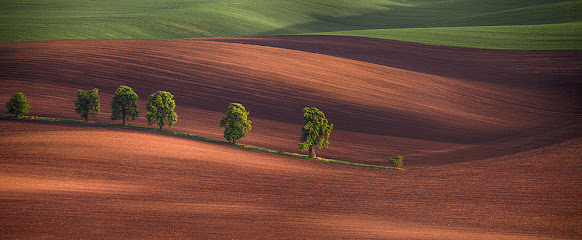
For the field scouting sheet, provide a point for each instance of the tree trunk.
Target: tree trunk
(123, 114)
(86, 118)
(160, 128)
(312, 152)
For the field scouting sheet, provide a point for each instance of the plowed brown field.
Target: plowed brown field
(492, 141)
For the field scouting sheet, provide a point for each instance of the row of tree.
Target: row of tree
(160, 106)
(160, 111)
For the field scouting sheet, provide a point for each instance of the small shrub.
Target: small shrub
(397, 161)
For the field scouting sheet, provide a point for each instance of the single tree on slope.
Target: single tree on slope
(17, 104)
(87, 103)
(124, 104)
(316, 131)
(235, 122)
(161, 109)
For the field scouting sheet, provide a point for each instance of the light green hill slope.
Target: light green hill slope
(26, 20)
(565, 36)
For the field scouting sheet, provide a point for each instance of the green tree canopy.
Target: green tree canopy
(235, 122)
(161, 109)
(17, 104)
(87, 103)
(124, 104)
(316, 131)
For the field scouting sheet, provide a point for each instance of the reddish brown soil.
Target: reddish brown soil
(95, 182)
(494, 156)
(531, 68)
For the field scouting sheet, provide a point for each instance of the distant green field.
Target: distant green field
(453, 22)
(565, 36)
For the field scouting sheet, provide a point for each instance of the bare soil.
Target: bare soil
(74, 181)
(492, 141)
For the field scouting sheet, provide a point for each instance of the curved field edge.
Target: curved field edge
(191, 136)
(564, 36)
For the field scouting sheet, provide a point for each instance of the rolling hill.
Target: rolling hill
(491, 134)
(491, 140)
(518, 25)
(377, 109)
(79, 181)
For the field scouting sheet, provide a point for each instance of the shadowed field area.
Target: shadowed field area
(491, 140)
(85, 181)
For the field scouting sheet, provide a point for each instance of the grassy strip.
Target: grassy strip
(60, 120)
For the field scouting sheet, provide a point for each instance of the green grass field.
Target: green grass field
(565, 36)
(522, 24)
